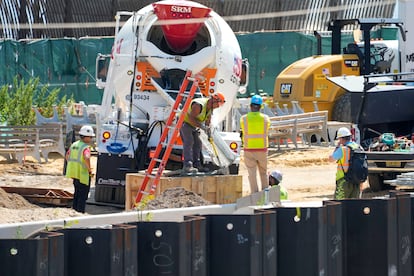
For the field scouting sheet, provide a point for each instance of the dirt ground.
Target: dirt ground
(307, 175)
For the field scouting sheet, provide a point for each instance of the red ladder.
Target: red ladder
(176, 133)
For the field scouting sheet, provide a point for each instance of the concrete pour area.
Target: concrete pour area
(349, 237)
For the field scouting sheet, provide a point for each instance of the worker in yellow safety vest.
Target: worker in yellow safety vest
(254, 132)
(78, 168)
(341, 155)
(275, 178)
(197, 117)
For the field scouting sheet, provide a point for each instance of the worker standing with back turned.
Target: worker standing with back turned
(254, 132)
(79, 167)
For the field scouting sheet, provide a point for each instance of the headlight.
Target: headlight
(106, 135)
(233, 146)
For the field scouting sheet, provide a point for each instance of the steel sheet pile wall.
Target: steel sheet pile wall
(242, 244)
(404, 233)
(310, 240)
(172, 248)
(38, 255)
(350, 237)
(373, 232)
(101, 251)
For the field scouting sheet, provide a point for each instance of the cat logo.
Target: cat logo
(285, 89)
(351, 63)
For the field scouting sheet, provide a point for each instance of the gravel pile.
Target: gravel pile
(14, 201)
(176, 197)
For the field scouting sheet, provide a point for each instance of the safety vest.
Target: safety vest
(343, 163)
(76, 167)
(283, 192)
(255, 128)
(203, 114)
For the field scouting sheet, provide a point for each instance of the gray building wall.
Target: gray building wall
(21, 19)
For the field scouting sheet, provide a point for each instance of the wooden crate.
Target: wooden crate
(218, 189)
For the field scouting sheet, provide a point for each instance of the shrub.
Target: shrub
(17, 102)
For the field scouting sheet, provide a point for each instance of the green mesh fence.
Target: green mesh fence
(65, 63)
(70, 63)
(270, 52)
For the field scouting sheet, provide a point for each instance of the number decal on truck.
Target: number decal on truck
(140, 97)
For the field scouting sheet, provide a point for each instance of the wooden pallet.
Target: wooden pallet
(55, 197)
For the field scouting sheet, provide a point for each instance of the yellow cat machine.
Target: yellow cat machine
(306, 80)
(367, 90)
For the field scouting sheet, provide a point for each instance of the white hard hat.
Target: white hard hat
(343, 132)
(277, 175)
(86, 131)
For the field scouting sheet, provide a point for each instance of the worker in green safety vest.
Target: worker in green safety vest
(78, 168)
(275, 177)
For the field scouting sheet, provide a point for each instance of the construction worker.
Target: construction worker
(197, 117)
(79, 168)
(275, 178)
(341, 155)
(254, 132)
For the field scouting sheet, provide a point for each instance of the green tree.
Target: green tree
(4, 107)
(17, 102)
(45, 101)
(20, 102)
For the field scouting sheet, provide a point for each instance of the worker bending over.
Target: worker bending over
(197, 117)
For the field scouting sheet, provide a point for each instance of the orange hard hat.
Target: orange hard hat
(219, 97)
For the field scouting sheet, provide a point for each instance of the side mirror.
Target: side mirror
(244, 78)
(102, 65)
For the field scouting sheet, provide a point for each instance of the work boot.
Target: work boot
(200, 167)
(203, 169)
(188, 168)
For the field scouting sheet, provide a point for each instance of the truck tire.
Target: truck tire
(234, 169)
(376, 182)
(342, 108)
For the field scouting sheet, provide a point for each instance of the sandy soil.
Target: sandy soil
(307, 175)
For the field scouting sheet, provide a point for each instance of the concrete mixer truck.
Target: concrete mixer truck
(151, 54)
